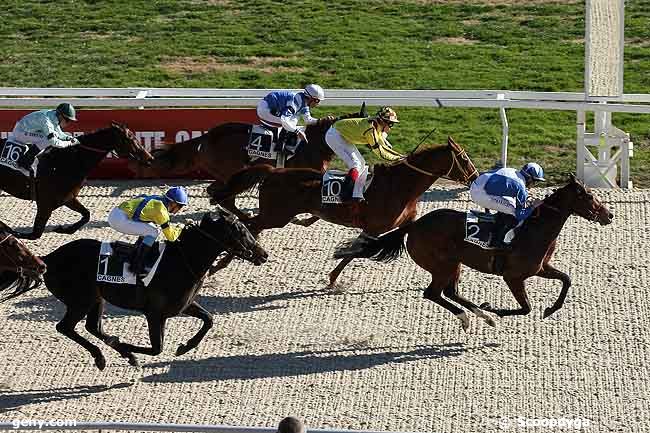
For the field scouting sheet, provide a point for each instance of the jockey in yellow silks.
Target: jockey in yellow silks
(142, 216)
(372, 131)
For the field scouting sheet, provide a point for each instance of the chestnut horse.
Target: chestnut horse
(436, 243)
(20, 269)
(62, 173)
(221, 152)
(391, 198)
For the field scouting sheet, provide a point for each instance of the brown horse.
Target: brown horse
(62, 172)
(19, 268)
(221, 152)
(436, 243)
(391, 198)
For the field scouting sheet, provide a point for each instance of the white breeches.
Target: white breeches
(120, 221)
(265, 116)
(494, 202)
(350, 156)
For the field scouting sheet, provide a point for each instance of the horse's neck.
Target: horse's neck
(89, 154)
(198, 251)
(412, 183)
(548, 225)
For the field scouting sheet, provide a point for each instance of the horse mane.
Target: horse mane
(382, 167)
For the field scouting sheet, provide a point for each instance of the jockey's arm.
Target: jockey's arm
(158, 214)
(289, 119)
(522, 212)
(378, 145)
(307, 117)
(57, 138)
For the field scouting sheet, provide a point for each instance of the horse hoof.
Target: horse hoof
(112, 341)
(464, 320)
(486, 306)
(490, 321)
(133, 360)
(182, 350)
(100, 362)
(548, 311)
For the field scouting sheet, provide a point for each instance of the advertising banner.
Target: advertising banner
(155, 128)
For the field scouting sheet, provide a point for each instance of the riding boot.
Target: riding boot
(32, 184)
(138, 261)
(504, 223)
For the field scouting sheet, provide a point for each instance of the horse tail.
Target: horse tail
(240, 182)
(384, 248)
(20, 284)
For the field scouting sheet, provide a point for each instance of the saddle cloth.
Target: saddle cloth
(480, 229)
(18, 157)
(113, 263)
(263, 143)
(337, 187)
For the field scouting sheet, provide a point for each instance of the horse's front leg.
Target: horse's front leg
(550, 272)
(518, 289)
(42, 216)
(76, 206)
(195, 310)
(156, 324)
(306, 222)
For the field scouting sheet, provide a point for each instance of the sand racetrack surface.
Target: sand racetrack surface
(370, 354)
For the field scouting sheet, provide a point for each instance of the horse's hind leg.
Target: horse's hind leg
(76, 206)
(66, 327)
(433, 293)
(195, 310)
(156, 324)
(550, 272)
(451, 292)
(94, 326)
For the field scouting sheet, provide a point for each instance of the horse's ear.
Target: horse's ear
(363, 112)
(451, 142)
(572, 178)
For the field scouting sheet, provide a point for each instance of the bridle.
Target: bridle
(591, 216)
(455, 154)
(19, 269)
(215, 240)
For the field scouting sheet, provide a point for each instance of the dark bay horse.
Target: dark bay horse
(436, 243)
(391, 198)
(20, 269)
(221, 152)
(62, 172)
(73, 272)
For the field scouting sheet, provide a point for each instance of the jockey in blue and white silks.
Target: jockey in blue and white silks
(284, 108)
(505, 190)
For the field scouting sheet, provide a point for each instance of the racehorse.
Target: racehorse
(20, 269)
(221, 152)
(62, 172)
(436, 243)
(391, 198)
(72, 279)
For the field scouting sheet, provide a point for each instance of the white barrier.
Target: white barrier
(606, 137)
(124, 426)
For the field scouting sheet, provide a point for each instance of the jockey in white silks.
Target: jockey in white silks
(505, 190)
(43, 128)
(283, 109)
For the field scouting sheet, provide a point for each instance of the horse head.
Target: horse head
(127, 145)
(579, 200)
(459, 167)
(16, 257)
(225, 228)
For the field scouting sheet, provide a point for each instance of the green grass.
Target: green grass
(418, 44)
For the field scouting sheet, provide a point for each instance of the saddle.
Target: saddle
(337, 186)
(272, 143)
(113, 265)
(487, 230)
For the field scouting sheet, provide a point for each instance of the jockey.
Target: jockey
(43, 129)
(372, 131)
(138, 216)
(505, 190)
(284, 108)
